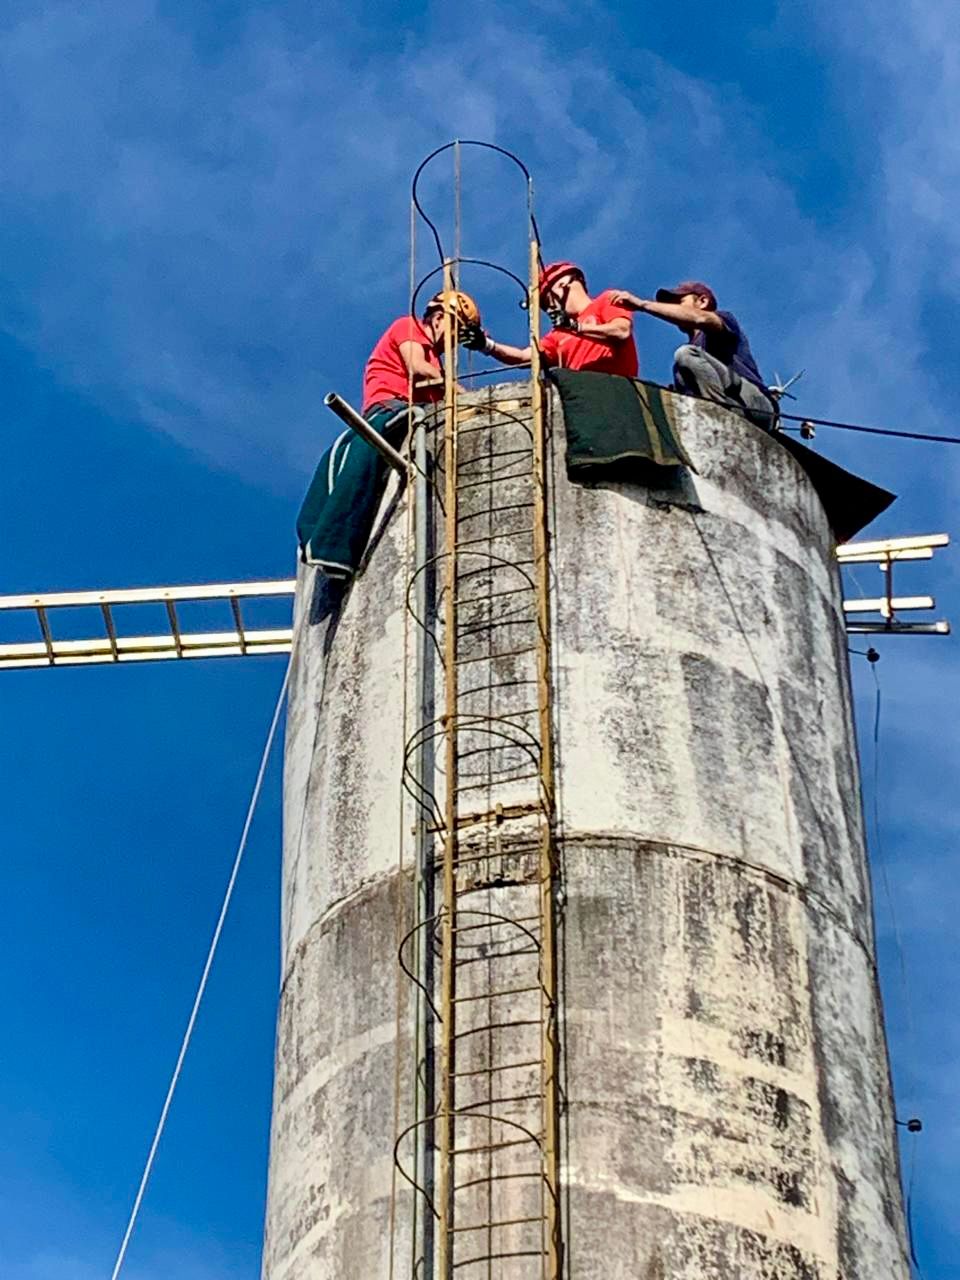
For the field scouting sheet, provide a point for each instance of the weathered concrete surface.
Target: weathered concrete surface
(729, 1110)
(344, 907)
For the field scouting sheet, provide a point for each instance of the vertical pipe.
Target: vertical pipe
(547, 870)
(449, 923)
(457, 217)
(424, 604)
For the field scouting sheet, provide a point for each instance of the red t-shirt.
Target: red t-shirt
(570, 350)
(386, 376)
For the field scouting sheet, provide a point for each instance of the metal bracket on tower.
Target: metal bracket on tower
(885, 554)
(111, 646)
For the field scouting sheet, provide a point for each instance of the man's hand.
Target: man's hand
(621, 298)
(560, 320)
(474, 339)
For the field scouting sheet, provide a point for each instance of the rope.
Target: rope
(201, 988)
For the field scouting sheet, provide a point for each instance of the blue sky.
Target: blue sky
(203, 227)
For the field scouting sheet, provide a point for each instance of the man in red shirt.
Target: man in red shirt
(410, 350)
(588, 333)
(337, 515)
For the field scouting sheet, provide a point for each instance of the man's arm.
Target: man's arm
(424, 373)
(673, 312)
(616, 330)
(506, 354)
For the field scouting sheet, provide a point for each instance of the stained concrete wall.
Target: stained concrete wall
(728, 1109)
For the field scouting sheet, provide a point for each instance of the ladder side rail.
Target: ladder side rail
(547, 867)
(448, 924)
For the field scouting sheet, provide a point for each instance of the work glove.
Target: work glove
(560, 320)
(473, 338)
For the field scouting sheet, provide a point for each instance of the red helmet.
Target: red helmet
(550, 274)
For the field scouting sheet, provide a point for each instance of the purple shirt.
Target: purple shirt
(729, 345)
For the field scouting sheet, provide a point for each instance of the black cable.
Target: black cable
(872, 431)
(476, 262)
(466, 142)
(779, 416)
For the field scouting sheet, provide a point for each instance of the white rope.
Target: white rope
(188, 1034)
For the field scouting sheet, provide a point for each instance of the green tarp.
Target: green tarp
(337, 515)
(618, 429)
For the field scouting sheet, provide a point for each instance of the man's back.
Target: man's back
(730, 346)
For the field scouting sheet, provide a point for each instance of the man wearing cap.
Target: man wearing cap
(717, 363)
(588, 333)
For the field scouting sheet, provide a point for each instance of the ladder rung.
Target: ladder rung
(489, 782)
(498, 1026)
(501, 955)
(495, 1146)
(496, 995)
(495, 477)
(511, 420)
(530, 749)
(472, 629)
(494, 537)
(496, 923)
(493, 457)
(493, 685)
(513, 852)
(490, 1103)
(498, 1177)
(495, 595)
(492, 1226)
(493, 657)
(489, 1257)
(503, 813)
(495, 511)
(501, 1066)
(511, 813)
(496, 565)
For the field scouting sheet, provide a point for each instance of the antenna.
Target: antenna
(885, 554)
(780, 390)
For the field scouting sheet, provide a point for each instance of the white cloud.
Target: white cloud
(211, 241)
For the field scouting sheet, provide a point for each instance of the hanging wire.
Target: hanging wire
(881, 861)
(909, 1205)
(872, 657)
(477, 262)
(202, 986)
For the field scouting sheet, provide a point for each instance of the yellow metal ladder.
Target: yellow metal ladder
(496, 1123)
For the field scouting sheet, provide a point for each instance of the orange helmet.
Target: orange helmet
(460, 306)
(555, 271)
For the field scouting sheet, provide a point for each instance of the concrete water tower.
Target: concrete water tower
(579, 974)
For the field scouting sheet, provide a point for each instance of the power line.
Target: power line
(872, 431)
(201, 988)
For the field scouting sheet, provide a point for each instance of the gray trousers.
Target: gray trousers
(697, 373)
